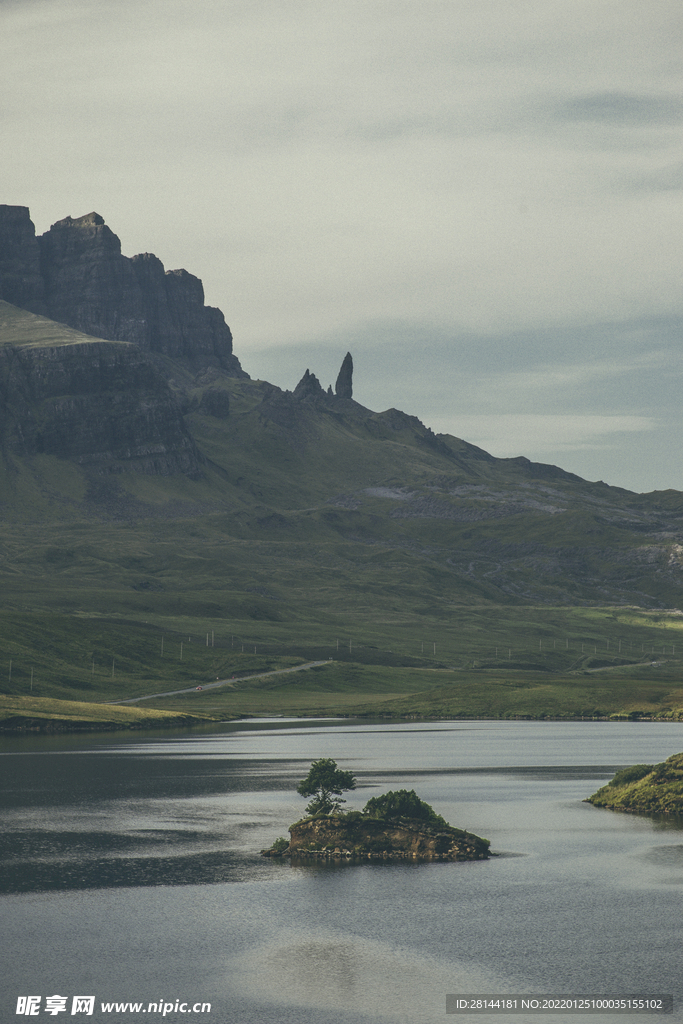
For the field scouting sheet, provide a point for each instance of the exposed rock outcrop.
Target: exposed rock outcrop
(76, 274)
(360, 836)
(99, 403)
(344, 386)
(309, 387)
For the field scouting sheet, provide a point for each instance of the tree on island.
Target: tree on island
(403, 803)
(325, 783)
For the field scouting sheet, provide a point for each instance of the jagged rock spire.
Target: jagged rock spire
(344, 385)
(309, 385)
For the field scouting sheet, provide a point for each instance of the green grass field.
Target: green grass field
(378, 691)
(539, 669)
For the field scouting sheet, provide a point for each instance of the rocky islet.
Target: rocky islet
(360, 837)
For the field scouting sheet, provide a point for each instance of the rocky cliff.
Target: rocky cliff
(100, 403)
(76, 274)
(360, 836)
(21, 281)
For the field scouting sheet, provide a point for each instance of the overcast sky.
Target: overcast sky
(481, 199)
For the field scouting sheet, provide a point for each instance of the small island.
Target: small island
(645, 789)
(395, 826)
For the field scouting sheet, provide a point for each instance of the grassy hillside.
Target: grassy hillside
(646, 788)
(320, 529)
(353, 689)
(19, 327)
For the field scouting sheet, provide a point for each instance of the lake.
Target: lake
(131, 873)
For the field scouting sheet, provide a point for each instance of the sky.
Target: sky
(480, 199)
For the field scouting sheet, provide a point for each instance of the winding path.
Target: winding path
(222, 682)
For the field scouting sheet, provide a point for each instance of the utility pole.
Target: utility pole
(181, 650)
(112, 667)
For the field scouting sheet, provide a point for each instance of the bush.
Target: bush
(280, 844)
(632, 774)
(403, 803)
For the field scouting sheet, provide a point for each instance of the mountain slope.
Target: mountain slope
(317, 476)
(161, 488)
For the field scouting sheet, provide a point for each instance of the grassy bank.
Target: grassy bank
(648, 789)
(42, 714)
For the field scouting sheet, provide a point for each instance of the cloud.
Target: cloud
(493, 180)
(621, 108)
(538, 436)
(661, 179)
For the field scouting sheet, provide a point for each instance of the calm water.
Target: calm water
(130, 871)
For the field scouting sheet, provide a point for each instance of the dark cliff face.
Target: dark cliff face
(75, 274)
(21, 282)
(89, 285)
(101, 404)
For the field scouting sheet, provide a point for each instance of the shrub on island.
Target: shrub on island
(403, 803)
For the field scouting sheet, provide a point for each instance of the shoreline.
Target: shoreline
(36, 724)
